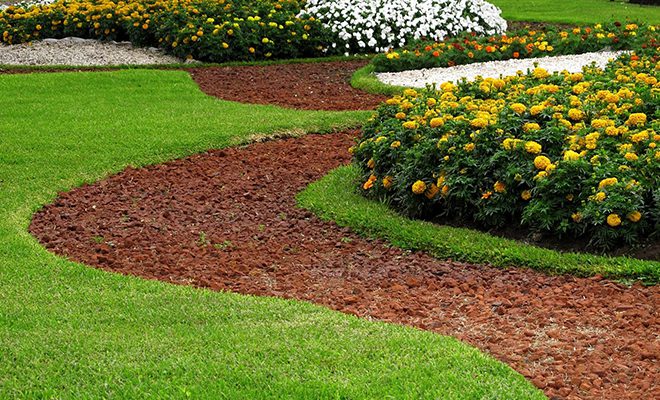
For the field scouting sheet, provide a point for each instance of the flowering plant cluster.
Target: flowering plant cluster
(574, 154)
(469, 48)
(209, 30)
(377, 25)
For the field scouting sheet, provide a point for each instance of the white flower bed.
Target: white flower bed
(378, 25)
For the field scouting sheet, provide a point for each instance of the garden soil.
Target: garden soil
(307, 86)
(228, 220)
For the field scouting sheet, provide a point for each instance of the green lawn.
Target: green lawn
(335, 198)
(70, 331)
(576, 11)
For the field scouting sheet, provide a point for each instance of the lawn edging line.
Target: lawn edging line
(365, 79)
(334, 198)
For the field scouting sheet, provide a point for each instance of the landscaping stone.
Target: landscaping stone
(494, 69)
(81, 52)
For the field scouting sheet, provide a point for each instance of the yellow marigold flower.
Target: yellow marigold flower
(612, 98)
(570, 155)
(371, 163)
(518, 108)
(510, 144)
(469, 147)
(387, 182)
(436, 122)
(639, 137)
(392, 101)
(479, 123)
(526, 195)
(550, 168)
(419, 187)
(607, 182)
(441, 181)
(395, 144)
(576, 77)
(432, 191)
(576, 217)
(499, 187)
(600, 196)
(631, 157)
(430, 102)
(400, 115)
(536, 110)
(540, 73)
(486, 195)
(540, 175)
(600, 123)
(448, 87)
(613, 220)
(611, 131)
(410, 92)
(542, 162)
(410, 124)
(531, 126)
(634, 216)
(533, 147)
(575, 114)
(636, 119)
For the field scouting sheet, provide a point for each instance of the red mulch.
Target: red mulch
(227, 220)
(307, 86)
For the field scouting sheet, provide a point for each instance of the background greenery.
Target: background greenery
(576, 11)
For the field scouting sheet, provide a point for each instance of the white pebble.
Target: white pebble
(494, 69)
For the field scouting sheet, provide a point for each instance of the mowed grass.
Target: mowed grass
(335, 198)
(576, 11)
(71, 331)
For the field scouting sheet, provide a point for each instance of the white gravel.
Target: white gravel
(81, 52)
(494, 69)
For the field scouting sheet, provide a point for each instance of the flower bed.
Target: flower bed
(469, 48)
(209, 30)
(224, 30)
(377, 25)
(564, 154)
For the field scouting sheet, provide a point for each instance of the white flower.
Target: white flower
(387, 23)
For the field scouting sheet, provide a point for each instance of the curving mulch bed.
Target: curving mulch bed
(227, 220)
(306, 86)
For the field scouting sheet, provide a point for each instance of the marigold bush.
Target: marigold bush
(570, 154)
(208, 30)
(525, 43)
